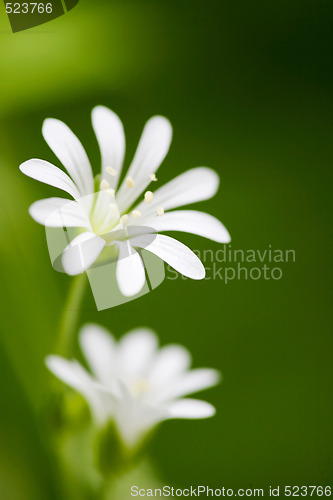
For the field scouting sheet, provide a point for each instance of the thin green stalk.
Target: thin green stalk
(119, 487)
(55, 415)
(70, 316)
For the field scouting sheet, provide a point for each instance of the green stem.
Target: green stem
(71, 314)
(56, 417)
(119, 487)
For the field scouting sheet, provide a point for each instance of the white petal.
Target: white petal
(67, 147)
(170, 360)
(190, 408)
(111, 139)
(74, 375)
(153, 147)
(102, 216)
(130, 272)
(194, 185)
(59, 212)
(188, 383)
(44, 171)
(134, 419)
(99, 347)
(174, 253)
(189, 221)
(81, 253)
(136, 350)
(70, 372)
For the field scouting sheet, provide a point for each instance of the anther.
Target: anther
(149, 196)
(136, 214)
(160, 211)
(112, 171)
(124, 218)
(152, 177)
(129, 182)
(105, 185)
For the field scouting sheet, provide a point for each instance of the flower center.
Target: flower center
(139, 387)
(105, 216)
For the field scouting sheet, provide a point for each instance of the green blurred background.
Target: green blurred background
(248, 89)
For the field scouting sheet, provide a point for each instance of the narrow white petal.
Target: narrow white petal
(174, 253)
(136, 350)
(169, 361)
(67, 147)
(47, 173)
(153, 147)
(70, 372)
(81, 253)
(99, 348)
(111, 139)
(102, 216)
(134, 419)
(74, 375)
(130, 270)
(59, 212)
(197, 184)
(190, 408)
(189, 221)
(188, 383)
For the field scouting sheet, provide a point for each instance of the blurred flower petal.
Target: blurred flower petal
(136, 351)
(169, 361)
(190, 408)
(99, 348)
(74, 375)
(188, 383)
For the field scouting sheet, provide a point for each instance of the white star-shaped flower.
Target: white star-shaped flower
(134, 384)
(112, 220)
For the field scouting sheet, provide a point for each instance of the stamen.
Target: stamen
(105, 185)
(111, 191)
(139, 387)
(152, 177)
(112, 171)
(149, 196)
(124, 218)
(136, 214)
(160, 211)
(129, 182)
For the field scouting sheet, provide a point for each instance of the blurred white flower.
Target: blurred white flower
(103, 213)
(134, 384)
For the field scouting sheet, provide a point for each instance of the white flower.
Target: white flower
(135, 384)
(102, 214)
